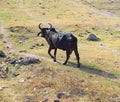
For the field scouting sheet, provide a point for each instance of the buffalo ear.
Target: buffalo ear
(50, 25)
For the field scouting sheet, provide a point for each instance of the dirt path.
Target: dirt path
(6, 40)
(110, 49)
(105, 13)
(22, 7)
(117, 52)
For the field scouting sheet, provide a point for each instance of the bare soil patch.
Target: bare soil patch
(8, 44)
(20, 29)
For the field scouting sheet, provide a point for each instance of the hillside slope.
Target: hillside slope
(98, 79)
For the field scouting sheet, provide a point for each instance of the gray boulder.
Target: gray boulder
(92, 37)
(28, 60)
(23, 60)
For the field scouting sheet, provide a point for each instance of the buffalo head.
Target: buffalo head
(43, 31)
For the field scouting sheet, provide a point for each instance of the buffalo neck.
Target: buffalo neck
(47, 37)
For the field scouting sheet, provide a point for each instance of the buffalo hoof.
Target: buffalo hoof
(54, 60)
(78, 65)
(64, 63)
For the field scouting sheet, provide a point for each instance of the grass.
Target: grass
(95, 82)
(105, 5)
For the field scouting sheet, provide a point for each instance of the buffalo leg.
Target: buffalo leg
(77, 56)
(55, 54)
(49, 50)
(67, 56)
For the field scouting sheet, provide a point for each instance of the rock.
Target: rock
(4, 42)
(22, 61)
(3, 76)
(45, 100)
(15, 74)
(28, 60)
(21, 51)
(27, 100)
(20, 42)
(11, 60)
(4, 70)
(56, 101)
(22, 80)
(62, 95)
(43, 13)
(107, 28)
(92, 37)
(39, 44)
(2, 54)
(1, 88)
(110, 1)
(31, 47)
(101, 44)
(17, 66)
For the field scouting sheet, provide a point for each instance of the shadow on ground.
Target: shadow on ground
(89, 69)
(98, 72)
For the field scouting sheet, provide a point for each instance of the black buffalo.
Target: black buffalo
(58, 40)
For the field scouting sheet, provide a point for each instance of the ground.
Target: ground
(98, 79)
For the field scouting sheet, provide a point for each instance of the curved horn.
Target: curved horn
(50, 25)
(38, 34)
(40, 26)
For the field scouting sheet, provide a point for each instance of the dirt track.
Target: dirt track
(21, 6)
(6, 40)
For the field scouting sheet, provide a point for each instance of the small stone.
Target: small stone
(15, 74)
(46, 100)
(101, 44)
(110, 1)
(1, 88)
(5, 70)
(11, 60)
(34, 89)
(56, 101)
(17, 66)
(3, 76)
(20, 42)
(107, 28)
(31, 47)
(21, 51)
(22, 80)
(2, 54)
(4, 42)
(62, 94)
(27, 100)
(41, 44)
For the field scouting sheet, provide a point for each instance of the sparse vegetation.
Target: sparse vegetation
(98, 79)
